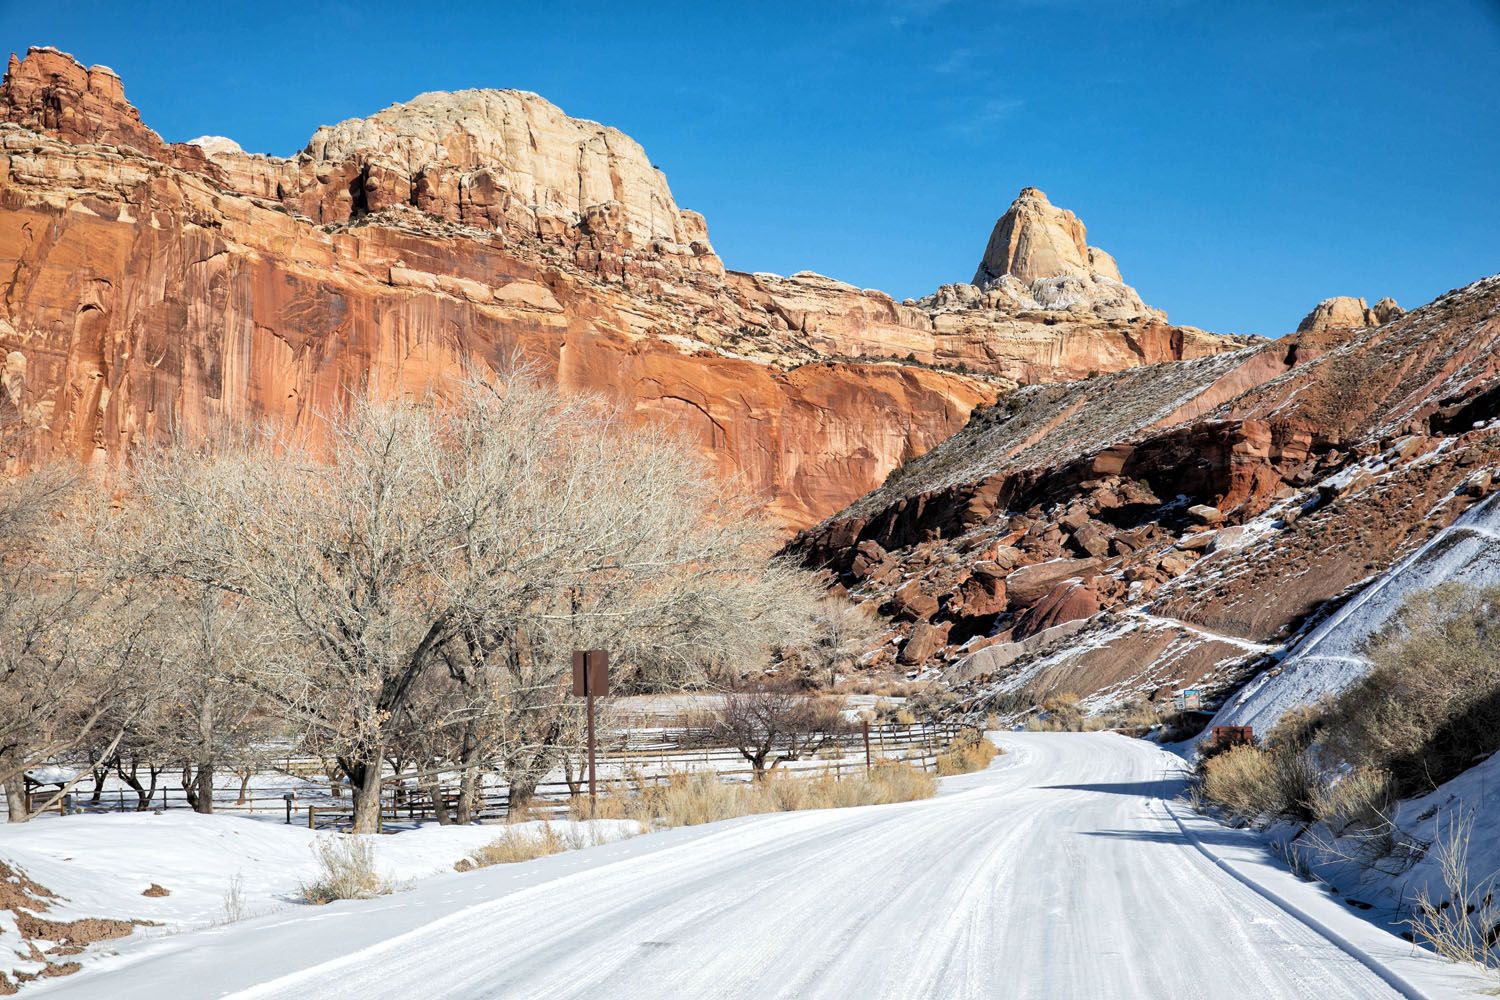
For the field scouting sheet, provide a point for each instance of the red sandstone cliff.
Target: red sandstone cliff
(155, 285)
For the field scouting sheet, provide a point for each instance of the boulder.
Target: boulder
(983, 593)
(923, 643)
(1030, 584)
(1206, 514)
(911, 602)
(1091, 540)
(1065, 602)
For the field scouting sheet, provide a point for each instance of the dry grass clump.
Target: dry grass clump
(1276, 780)
(1061, 713)
(1461, 927)
(1361, 798)
(515, 845)
(347, 871)
(970, 751)
(1430, 708)
(690, 798)
(1135, 718)
(885, 687)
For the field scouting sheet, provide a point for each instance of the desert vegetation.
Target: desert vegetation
(398, 586)
(689, 798)
(970, 751)
(1424, 713)
(346, 870)
(1428, 709)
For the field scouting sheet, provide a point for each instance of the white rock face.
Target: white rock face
(543, 160)
(1345, 312)
(215, 145)
(1038, 257)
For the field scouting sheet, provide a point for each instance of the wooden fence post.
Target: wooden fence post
(312, 811)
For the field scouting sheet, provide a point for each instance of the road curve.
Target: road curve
(1055, 874)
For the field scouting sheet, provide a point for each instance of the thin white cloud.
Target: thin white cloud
(955, 62)
(984, 116)
(903, 12)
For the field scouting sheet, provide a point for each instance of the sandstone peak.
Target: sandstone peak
(531, 158)
(50, 90)
(1034, 239)
(1345, 312)
(1038, 257)
(216, 145)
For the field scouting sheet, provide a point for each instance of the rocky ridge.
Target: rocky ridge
(161, 284)
(1175, 525)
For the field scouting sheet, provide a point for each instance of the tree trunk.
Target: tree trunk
(364, 780)
(200, 788)
(573, 781)
(244, 788)
(143, 793)
(439, 801)
(522, 791)
(468, 794)
(15, 801)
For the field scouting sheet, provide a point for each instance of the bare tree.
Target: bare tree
(68, 656)
(770, 726)
(487, 537)
(838, 632)
(201, 717)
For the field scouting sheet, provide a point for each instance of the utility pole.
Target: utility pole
(590, 678)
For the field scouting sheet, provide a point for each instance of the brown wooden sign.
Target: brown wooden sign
(590, 680)
(590, 672)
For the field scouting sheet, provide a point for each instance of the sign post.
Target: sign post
(590, 678)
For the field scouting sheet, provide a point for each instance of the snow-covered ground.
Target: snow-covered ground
(1062, 871)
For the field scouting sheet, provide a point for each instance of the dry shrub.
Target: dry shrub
(1360, 798)
(234, 899)
(347, 871)
(517, 845)
(1461, 927)
(1061, 713)
(895, 783)
(970, 751)
(1430, 707)
(1255, 783)
(689, 798)
(1134, 718)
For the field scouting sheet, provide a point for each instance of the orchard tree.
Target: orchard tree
(485, 537)
(773, 725)
(72, 638)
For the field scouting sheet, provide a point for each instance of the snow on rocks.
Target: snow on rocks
(1330, 659)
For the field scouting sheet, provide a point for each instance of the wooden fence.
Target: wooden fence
(632, 757)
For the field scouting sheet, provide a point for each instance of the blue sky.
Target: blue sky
(1241, 161)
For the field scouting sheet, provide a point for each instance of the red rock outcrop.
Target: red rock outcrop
(156, 286)
(1191, 518)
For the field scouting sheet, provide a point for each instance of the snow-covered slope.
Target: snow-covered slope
(1330, 659)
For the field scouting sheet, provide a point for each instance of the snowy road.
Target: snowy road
(1058, 873)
